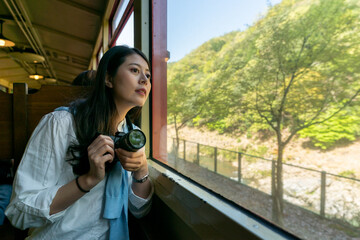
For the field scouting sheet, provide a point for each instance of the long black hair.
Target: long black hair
(97, 113)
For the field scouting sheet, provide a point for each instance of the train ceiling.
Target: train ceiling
(58, 36)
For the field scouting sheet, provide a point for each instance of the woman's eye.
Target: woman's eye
(135, 70)
(148, 76)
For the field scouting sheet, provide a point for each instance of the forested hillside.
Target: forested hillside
(295, 72)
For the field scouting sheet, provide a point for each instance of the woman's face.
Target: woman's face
(131, 83)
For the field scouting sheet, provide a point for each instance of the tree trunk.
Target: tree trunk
(176, 147)
(278, 201)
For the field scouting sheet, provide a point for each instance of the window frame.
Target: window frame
(115, 33)
(159, 77)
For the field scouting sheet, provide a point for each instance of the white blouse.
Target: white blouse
(42, 171)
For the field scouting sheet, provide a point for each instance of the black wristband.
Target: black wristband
(78, 185)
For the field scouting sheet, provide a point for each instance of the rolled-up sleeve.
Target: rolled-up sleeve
(35, 184)
(138, 206)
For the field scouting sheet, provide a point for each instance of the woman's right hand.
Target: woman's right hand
(100, 151)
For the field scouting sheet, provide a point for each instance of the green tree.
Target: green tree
(305, 65)
(342, 126)
(188, 86)
(296, 69)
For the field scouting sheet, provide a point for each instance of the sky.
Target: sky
(193, 22)
(127, 35)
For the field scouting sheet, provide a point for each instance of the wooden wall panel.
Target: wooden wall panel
(21, 112)
(6, 126)
(19, 120)
(47, 99)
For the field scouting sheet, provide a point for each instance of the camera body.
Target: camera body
(130, 141)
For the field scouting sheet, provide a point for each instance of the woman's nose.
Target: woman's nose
(143, 80)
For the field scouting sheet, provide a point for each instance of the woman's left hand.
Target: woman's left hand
(133, 161)
(136, 162)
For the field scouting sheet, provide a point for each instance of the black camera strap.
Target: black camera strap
(128, 123)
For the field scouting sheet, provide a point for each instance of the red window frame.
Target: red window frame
(159, 79)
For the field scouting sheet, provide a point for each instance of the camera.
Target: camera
(131, 141)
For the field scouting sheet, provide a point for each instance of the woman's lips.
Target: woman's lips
(141, 91)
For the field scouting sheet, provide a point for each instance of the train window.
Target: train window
(126, 36)
(3, 89)
(100, 54)
(122, 24)
(263, 108)
(123, 4)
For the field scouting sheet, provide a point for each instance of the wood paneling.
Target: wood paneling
(47, 100)
(19, 120)
(6, 126)
(21, 112)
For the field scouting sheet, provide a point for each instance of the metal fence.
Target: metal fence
(321, 192)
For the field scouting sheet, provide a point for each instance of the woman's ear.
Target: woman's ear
(108, 82)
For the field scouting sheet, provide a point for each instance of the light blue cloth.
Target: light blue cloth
(116, 202)
(116, 198)
(5, 194)
(62, 108)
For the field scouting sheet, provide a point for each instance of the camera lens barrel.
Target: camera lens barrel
(131, 141)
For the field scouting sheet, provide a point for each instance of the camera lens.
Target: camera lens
(137, 139)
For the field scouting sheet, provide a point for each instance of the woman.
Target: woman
(82, 197)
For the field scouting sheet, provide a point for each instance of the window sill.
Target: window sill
(207, 214)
